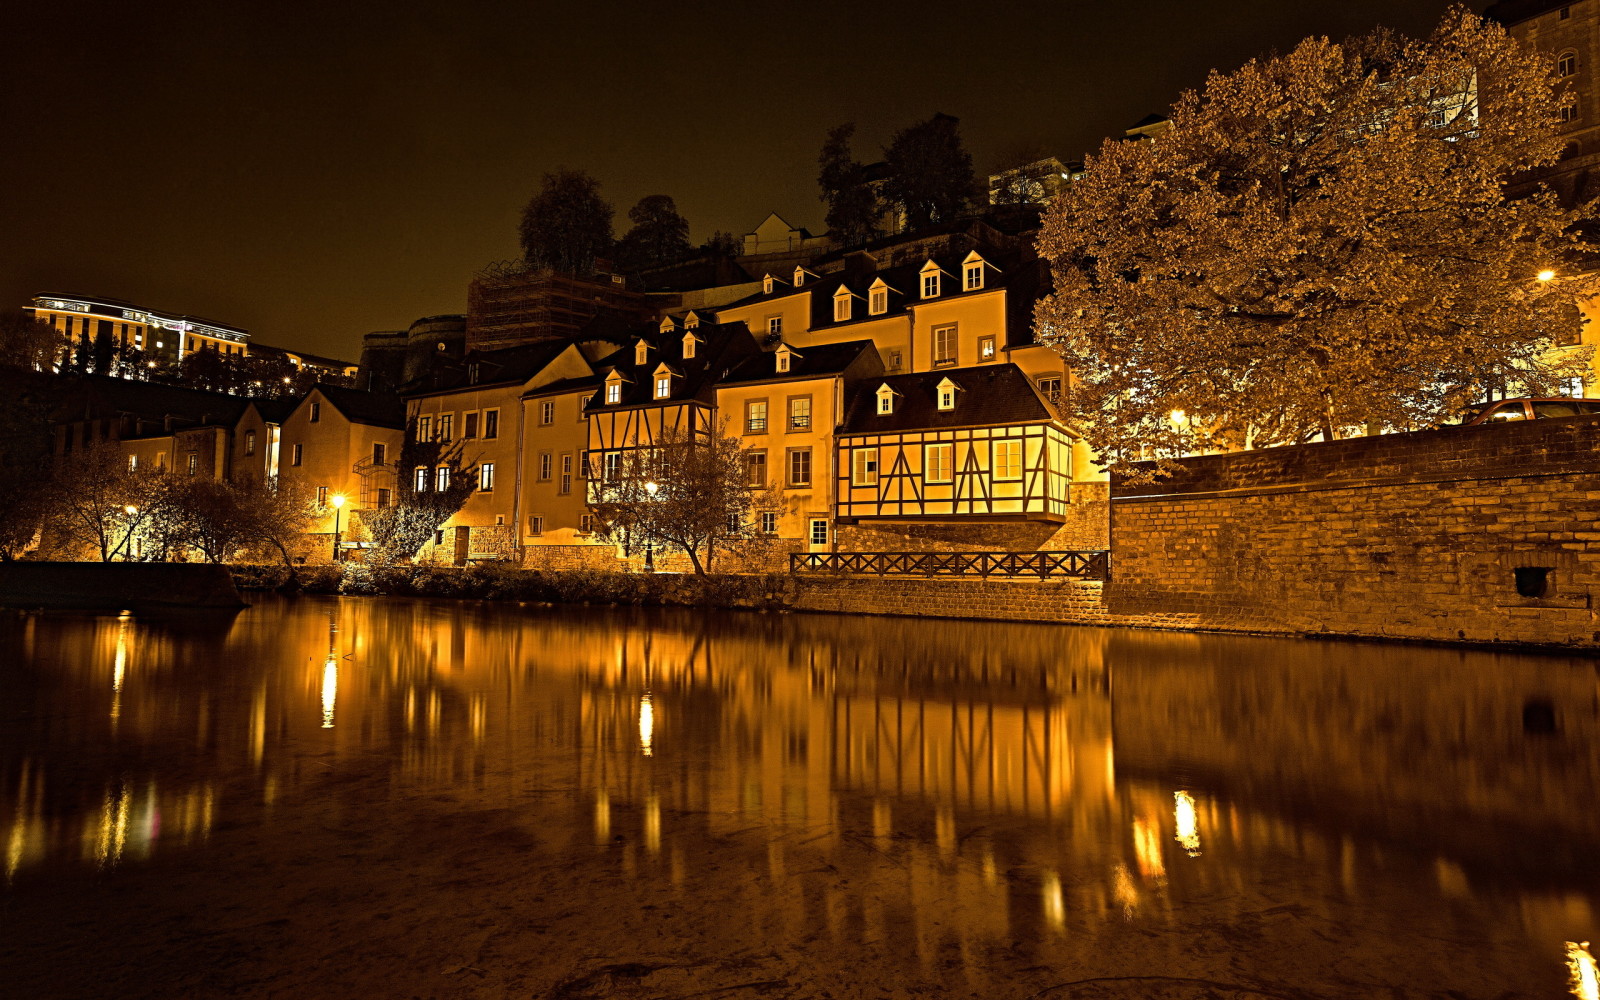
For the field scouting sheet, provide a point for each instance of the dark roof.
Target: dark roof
(96, 397)
(559, 386)
(723, 345)
(990, 395)
(380, 409)
(275, 410)
(1509, 12)
(815, 361)
(507, 366)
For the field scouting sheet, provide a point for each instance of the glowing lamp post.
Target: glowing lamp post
(338, 508)
(652, 488)
(127, 536)
(1547, 275)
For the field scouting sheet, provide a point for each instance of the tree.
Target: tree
(723, 244)
(567, 224)
(27, 343)
(1320, 241)
(433, 482)
(702, 500)
(930, 171)
(25, 473)
(278, 511)
(852, 206)
(96, 500)
(205, 515)
(659, 235)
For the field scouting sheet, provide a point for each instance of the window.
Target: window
(544, 466)
(249, 442)
(1050, 387)
(133, 463)
(930, 284)
(1566, 12)
(469, 425)
(296, 453)
(755, 468)
(583, 466)
(774, 326)
(936, 462)
(885, 400)
(944, 346)
(1569, 109)
(613, 466)
(447, 422)
(878, 301)
(974, 277)
(566, 473)
(613, 392)
(799, 466)
(688, 347)
(441, 478)
(316, 412)
(535, 524)
(385, 497)
(421, 484)
(755, 417)
(947, 395)
(783, 357)
(841, 306)
(819, 531)
(486, 477)
(583, 404)
(864, 467)
(424, 428)
(766, 284)
(379, 453)
(491, 424)
(1008, 459)
(985, 348)
(322, 496)
(1567, 64)
(663, 386)
(799, 277)
(892, 361)
(769, 522)
(641, 353)
(800, 413)
(585, 524)
(547, 412)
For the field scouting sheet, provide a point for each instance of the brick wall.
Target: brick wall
(1067, 601)
(1410, 535)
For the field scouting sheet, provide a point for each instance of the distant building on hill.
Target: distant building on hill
(1571, 33)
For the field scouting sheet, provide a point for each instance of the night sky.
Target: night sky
(312, 172)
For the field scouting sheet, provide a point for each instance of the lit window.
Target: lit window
(663, 386)
(545, 465)
(986, 348)
(613, 392)
(800, 467)
(441, 478)
(936, 462)
(783, 360)
(841, 306)
(774, 326)
(755, 417)
(819, 532)
(133, 463)
(486, 477)
(613, 466)
(1007, 459)
(547, 412)
(322, 496)
(421, 480)
(800, 413)
(491, 424)
(944, 346)
(864, 467)
(769, 523)
(194, 463)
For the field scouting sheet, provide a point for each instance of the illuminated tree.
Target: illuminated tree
(277, 511)
(433, 483)
(97, 501)
(691, 494)
(659, 234)
(567, 224)
(930, 171)
(852, 205)
(1320, 242)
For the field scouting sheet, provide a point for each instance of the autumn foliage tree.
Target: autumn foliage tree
(434, 480)
(1320, 242)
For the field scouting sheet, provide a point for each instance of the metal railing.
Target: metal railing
(1082, 565)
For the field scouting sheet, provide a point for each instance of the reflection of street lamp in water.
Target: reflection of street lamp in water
(338, 508)
(652, 488)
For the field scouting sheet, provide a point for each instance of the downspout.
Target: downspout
(516, 496)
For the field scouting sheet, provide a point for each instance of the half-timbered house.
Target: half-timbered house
(974, 443)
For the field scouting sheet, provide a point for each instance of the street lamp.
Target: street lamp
(650, 542)
(127, 536)
(338, 507)
(1547, 275)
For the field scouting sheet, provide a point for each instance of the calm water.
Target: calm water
(376, 798)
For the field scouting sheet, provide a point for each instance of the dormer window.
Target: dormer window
(784, 358)
(930, 280)
(799, 277)
(885, 399)
(614, 387)
(691, 321)
(641, 352)
(841, 305)
(766, 284)
(878, 298)
(663, 386)
(972, 272)
(689, 341)
(667, 325)
(947, 394)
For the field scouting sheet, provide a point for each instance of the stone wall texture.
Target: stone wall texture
(1066, 601)
(1416, 536)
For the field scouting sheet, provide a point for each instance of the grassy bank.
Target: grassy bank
(495, 583)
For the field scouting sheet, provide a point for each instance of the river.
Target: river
(359, 797)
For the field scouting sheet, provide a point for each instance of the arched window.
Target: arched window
(1567, 63)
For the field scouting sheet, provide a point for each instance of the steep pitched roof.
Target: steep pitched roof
(724, 346)
(991, 395)
(817, 361)
(507, 366)
(379, 409)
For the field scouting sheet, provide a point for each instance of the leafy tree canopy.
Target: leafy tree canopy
(930, 171)
(659, 234)
(567, 224)
(1320, 241)
(852, 205)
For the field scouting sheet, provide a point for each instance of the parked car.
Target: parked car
(1502, 410)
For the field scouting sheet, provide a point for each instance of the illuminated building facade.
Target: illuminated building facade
(160, 335)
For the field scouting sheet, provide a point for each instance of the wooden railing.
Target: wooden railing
(1085, 565)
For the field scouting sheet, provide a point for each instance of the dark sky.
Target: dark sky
(316, 171)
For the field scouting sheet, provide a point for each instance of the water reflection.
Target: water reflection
(949, 791)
